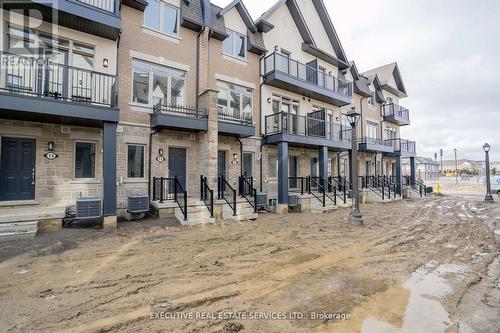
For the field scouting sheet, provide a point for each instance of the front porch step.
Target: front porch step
(244, 211)
(317, 206)
(15, 230)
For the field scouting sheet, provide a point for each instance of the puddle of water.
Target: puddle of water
(424, 313)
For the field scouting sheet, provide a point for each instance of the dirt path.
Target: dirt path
(299, 263)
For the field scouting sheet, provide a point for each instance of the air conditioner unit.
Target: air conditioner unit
(292, 200)
(88, 208)
(138, 204)
(261, 200)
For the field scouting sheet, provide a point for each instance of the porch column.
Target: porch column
(109, 170)
(209, 143)
(323, 164)
(282, 206)
(399, 179)
(413, 168)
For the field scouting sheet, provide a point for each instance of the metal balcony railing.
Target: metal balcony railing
(181, 111)
(398, 111)
(288, 123)
(106, 5)
(37, 77)
(232, 117)
(402, 145)
(375, 141)
(293, 68)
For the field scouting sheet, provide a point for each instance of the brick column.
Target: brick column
(209, 140)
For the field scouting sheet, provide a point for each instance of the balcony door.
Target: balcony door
(53, 76)
(316, 122)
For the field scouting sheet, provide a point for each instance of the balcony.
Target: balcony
(375, 145)
(402, 148)
(282, 72)
(235, 124)
(41, 90)
(396, 114)
(306, 131)
(97, 17)
(179, 117)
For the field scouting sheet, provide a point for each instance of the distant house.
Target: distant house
(426, 168)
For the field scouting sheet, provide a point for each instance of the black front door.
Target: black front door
(221, 167)
(177, 165)
(293, 172)
(17, 169)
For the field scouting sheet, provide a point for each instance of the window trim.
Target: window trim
(150, 83)
(162, 20)
(74, 160)
(234, 48)
(143, 161)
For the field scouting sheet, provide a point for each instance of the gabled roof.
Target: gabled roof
(362, 83)
(385, 74)
(309, 45)
(242, 10)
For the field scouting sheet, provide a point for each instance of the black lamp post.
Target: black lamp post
(356, 218)
(456, 166)
(488, 197)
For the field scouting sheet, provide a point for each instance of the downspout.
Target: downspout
(198, 68)
(264, 141)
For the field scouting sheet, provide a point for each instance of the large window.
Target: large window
(235, 101)
(135, 161)
(372, 99)
(273, 166)
(162, 17)
(154, 84)
(84, 160)
(235, 45)
(371, 130)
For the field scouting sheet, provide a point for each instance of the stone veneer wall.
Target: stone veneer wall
(55, 182)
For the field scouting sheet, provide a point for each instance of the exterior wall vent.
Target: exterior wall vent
(65, 129)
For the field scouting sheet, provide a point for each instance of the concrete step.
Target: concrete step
(194, 218)
(14, 230)
(244, 211)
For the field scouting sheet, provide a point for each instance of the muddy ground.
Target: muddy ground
(425, 265)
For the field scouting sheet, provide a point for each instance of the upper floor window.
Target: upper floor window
(371, 130)
(234, 100)
(162, 17)
(235, 45)
(372, 99)
(155, 84)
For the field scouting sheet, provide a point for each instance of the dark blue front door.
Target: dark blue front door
(17, 169)
(177, 165)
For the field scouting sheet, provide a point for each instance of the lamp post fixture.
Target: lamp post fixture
(488, 197)
(356, 218)
(456, 166)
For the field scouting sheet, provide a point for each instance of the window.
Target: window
(84, 160)
(273, 166)
(154, 84)
(235, 45)
(371, 130)
(372, 99)
(135, 161)
(235, 101)
(248, 164)
(162, 17)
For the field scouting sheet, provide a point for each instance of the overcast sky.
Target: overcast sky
(448, 52)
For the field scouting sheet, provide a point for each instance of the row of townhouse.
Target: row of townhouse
(104, 98)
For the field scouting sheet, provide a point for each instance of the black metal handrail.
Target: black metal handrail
(402, 145)
(314, 183)
(338, 188)
(284, 64)
(416, 185)
(392, 185)
(234, 118)
(248, 192)
(44, 78)
(207, 195)
(181, 111)
(170, 189)
(392, 109)
(227, 193)
(372, 183)
(289, 123)
(297, 185)
(374, 141)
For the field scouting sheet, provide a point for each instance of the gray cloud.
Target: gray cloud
(449, 55)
